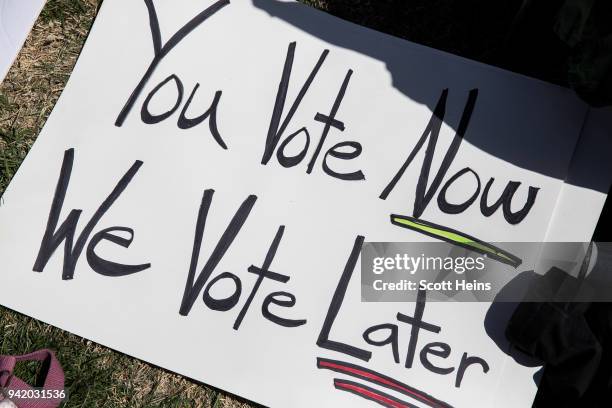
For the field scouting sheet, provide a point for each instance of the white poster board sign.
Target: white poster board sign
(200, 193)
(16, 20)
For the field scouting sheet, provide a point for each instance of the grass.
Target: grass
(95, 375)
(99, 377)
(38, 76)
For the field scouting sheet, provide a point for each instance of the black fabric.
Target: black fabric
(574, 341)
(568, 42)
(585, 26)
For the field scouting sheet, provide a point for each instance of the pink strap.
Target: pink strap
(54, 379)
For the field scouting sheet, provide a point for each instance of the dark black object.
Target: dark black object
(567, 42)
(585, 26)
(574, 340)
(564, 41)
